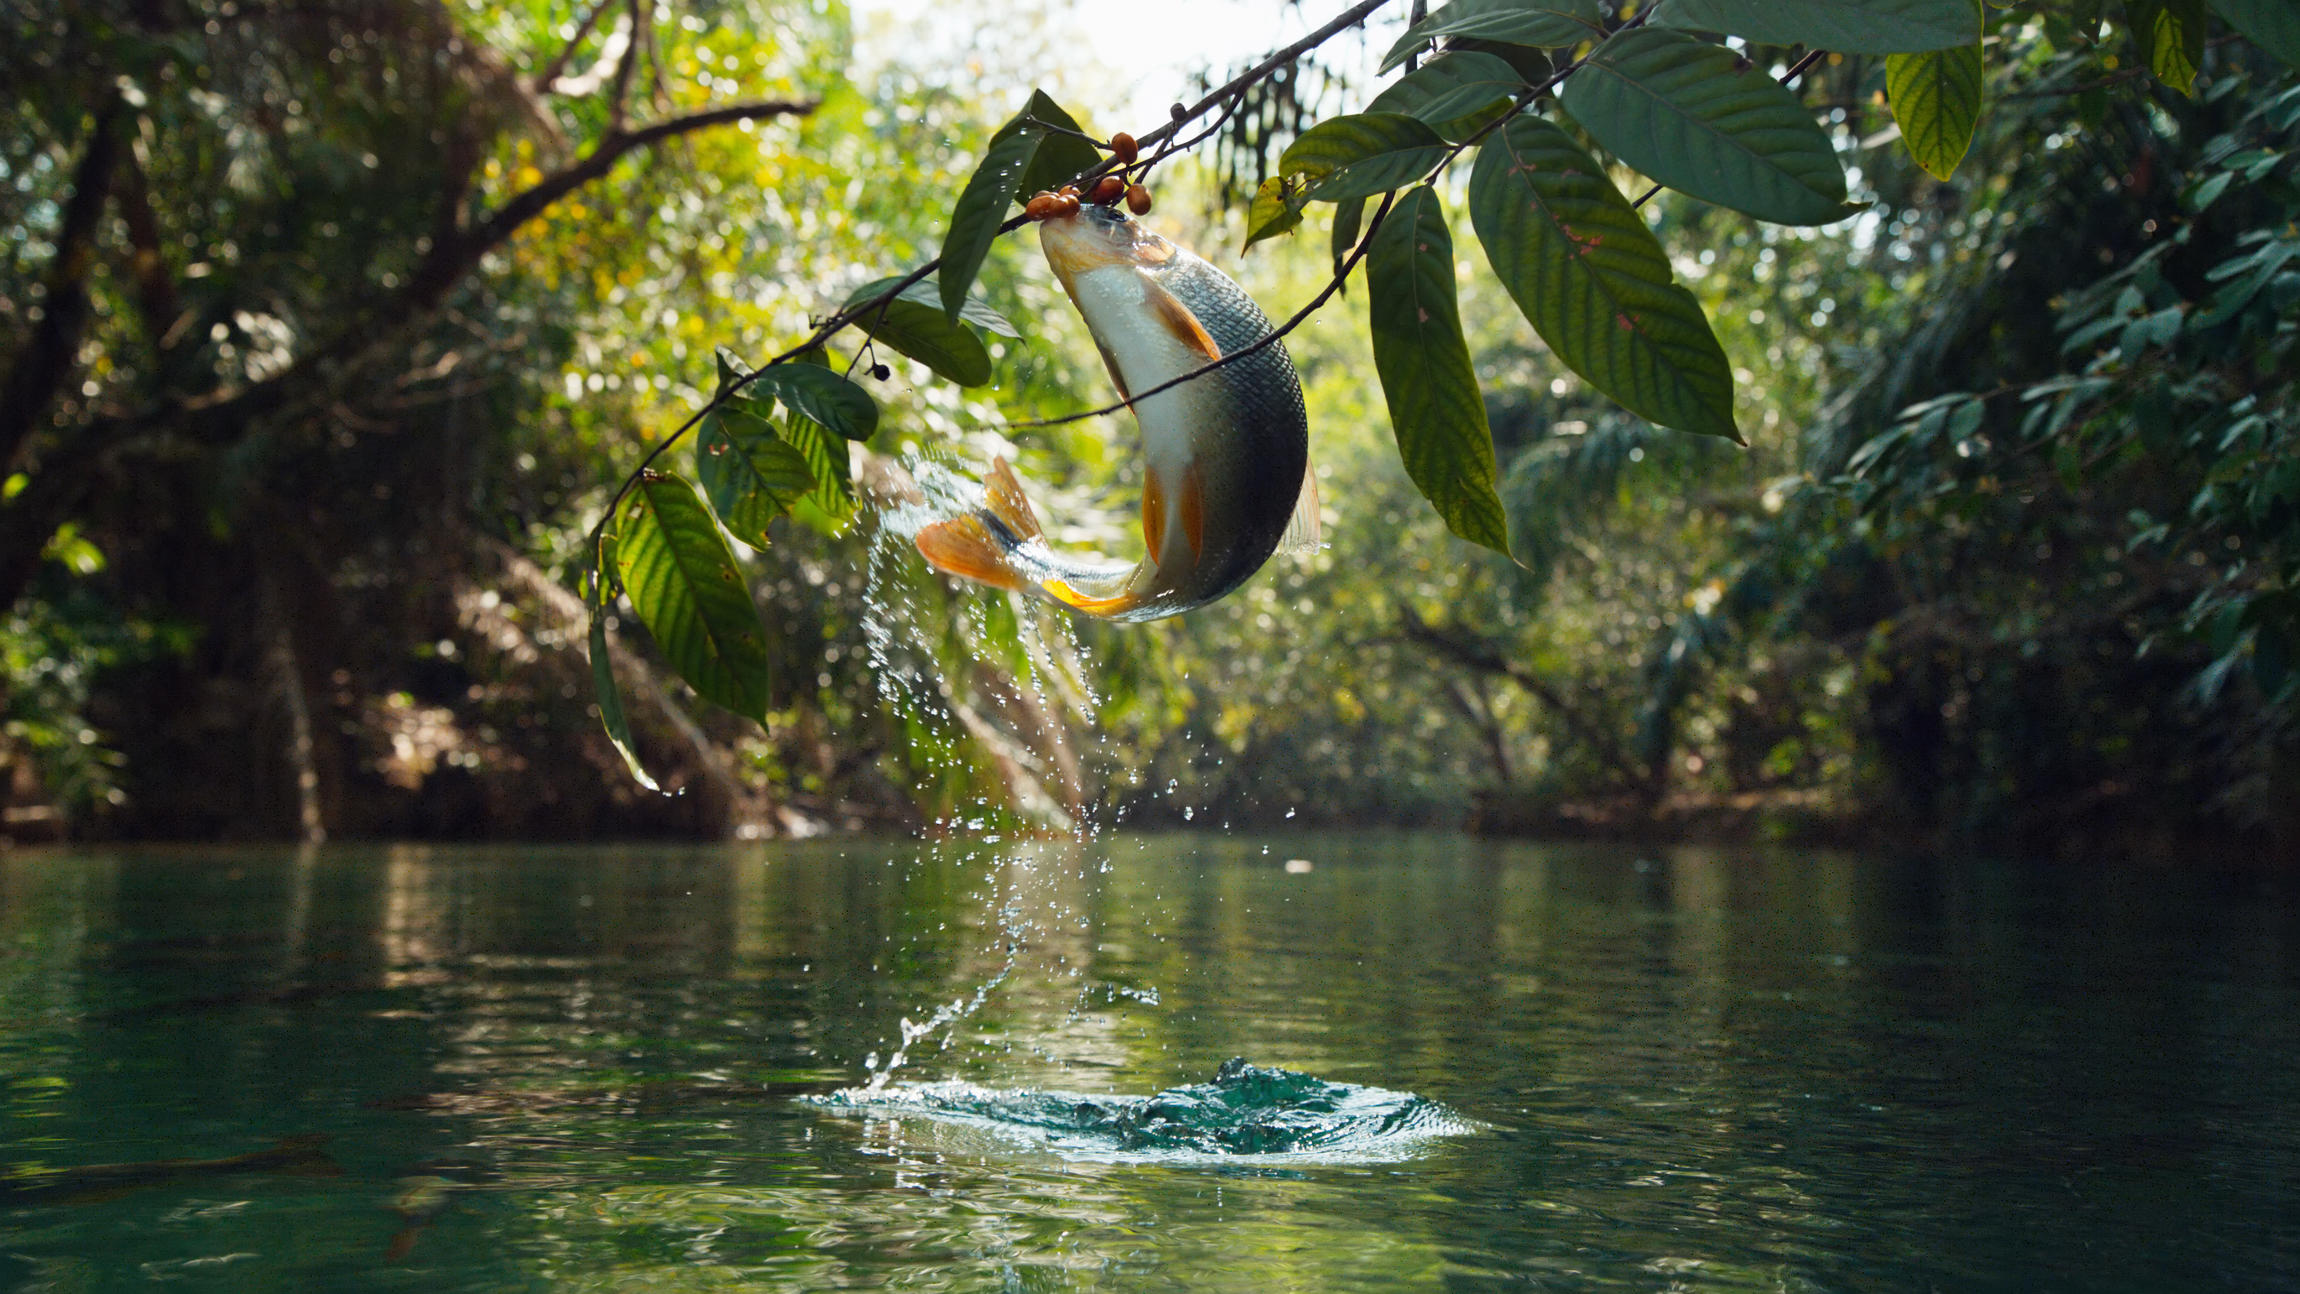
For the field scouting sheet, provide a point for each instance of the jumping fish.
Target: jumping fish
(1227, 477)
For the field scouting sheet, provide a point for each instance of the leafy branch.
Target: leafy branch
(1658, 93)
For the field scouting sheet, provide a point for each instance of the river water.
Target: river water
(1582, 1068)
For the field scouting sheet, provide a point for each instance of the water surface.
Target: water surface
(615, 1068)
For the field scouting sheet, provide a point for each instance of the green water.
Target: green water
(616, 1069)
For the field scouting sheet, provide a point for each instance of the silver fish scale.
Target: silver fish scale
(1261, 463)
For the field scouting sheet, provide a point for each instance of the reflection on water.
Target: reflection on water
(585, 1069)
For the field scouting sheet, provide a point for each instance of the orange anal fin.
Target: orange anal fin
(1153, 515)
(1007, 501)
(1089, 604)
(1178, 320)
(1194, 510)
(964, 546)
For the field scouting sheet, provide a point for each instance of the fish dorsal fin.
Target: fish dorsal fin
(1007, 502)
(1304, 535)
(1179, 320)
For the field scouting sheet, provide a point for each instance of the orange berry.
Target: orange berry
(1068, 191)
(1123, 147)
(1138, 200)
(1069, 205)
(1108, 190)
(1042, 206)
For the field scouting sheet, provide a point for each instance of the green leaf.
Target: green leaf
(821, 395)
(1708, 122)
(981, 209)
(1063, 156)
(1362, 155)
(1846, 26)
(1593, 280)
(1457, 93)
(682, 580)
(2170, 34)
(1539, 23)
(1936, 98)
(1435, 408)
(922, 331)
(1275, 211)
(610, 697)
(750, 474)
(732, 369)
(2273, 25)
(827, 457)
(974, 311)
(1022, 157)
(1349, 217)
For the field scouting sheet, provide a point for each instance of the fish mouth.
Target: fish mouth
(1099, 238)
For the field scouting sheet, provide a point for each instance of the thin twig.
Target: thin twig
(1229, 110)
(614, 147)
(551, 70)
(658, 93)
(1349, 18)
(619, 96)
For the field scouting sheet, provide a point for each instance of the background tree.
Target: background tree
(330, 336)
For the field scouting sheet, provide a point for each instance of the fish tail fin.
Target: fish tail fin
(967, 547)
(980, 545)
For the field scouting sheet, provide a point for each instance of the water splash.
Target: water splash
(983, 683)
(1013, 930)
(982, 679)
(1245, 1112)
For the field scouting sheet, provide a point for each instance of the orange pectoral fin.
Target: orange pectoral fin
(1153, 515)
(1194, 510)
(1178, 320)
(964, 546)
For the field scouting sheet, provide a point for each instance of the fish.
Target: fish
(1227, 479)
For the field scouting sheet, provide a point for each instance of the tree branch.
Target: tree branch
(156, 298)
(70, 478)
(551, 71)
(1341, 274)
(1146, 143)
(1482, 657)
(619, 95)
(47, 359)
(525, 206)
(1347, 19)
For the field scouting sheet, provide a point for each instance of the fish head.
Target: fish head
(1099, 238)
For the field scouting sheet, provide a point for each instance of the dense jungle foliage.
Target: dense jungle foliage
(327, 335)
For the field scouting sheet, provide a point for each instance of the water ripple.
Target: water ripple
(1267, 1114)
